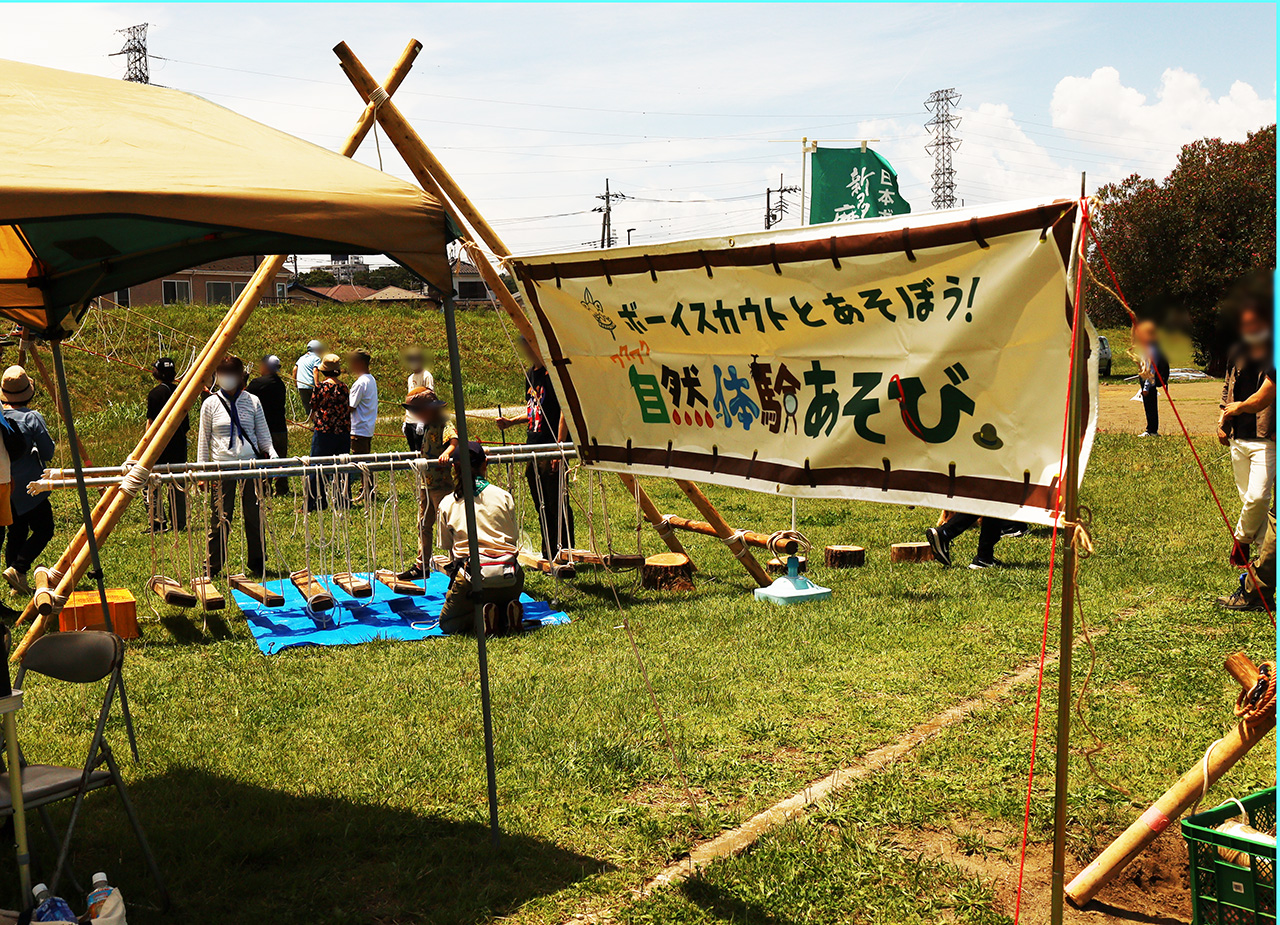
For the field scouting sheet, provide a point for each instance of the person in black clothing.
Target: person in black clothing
(1153, 373)
(165, 371)
(546, 479)
(269, 389)
(941, 537)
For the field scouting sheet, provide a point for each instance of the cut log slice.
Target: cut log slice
(910, 552)
(778, 565)
(668, 571)
(167, 589)
(845, 556)
(353, 584)
(259, 592)
(208, 594)
(396, 583)
(316, 595)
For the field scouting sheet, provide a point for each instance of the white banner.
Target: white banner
(917, 359)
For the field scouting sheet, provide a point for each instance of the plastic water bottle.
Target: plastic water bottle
(50, 908)
(99, 895)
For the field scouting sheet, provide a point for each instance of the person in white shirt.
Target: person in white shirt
(304, 372)
(233, 428)
(364, 407)
(419, 379)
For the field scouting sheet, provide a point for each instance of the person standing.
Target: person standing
(268, 388)
(32, 527)
(364, 412)
(331, 425)
(304, 372)
(992, 528)
(233, 429)
(165, 371)
(545, 476)
(440, 438)
(1247, 424)
(1153, 372)
(419, 378)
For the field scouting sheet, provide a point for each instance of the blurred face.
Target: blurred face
(413, 362)
(1255, 332)
(264, 369)
(526, 353)
(1144, 333)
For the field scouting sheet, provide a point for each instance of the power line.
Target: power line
(135, 50)
(607, 237)
(940, 103)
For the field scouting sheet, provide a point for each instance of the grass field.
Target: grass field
(348, 785)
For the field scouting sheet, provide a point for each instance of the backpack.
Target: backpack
(16, 443)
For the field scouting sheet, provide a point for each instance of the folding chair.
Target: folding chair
(77, 658)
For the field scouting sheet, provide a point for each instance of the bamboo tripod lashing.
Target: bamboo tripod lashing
(75, 559)
(844, 556)
(42, 600)
(668, 571)
(259, 592)
(910, 552)
(1219, 759)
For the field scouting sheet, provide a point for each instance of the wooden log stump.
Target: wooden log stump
(778, 565)
(668, 571)
(910, 552)
(316, 595)
(43, 597)
(396, 583)
(259, 592)
(208, 594)
(167, 589)
(844, 556)
(353, 584)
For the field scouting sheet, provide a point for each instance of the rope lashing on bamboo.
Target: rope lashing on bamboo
(779, 540)
(377, 97)
(663, 527)
(134, 479)
(1259, 702)
(1080, 533)
(736, 537)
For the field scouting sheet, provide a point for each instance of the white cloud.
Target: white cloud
(1183, 110)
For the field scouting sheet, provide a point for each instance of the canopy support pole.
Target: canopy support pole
(61, 397)
(74, 562)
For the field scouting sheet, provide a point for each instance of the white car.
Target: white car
(1104, 356)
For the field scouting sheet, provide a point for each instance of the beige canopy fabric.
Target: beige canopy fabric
(105, 184)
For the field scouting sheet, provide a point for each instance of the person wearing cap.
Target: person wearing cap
(32, 527)
(496, 537)
(545, 477)
(363, 399)
(439, 440)
(330, 422)
(268, 388)
(233, 429)
(419, 378)
(165, 371)
(304, 372)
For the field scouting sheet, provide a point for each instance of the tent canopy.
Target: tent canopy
(105, 184)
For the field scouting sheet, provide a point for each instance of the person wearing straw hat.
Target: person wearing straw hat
(165, 371)
(502, 578)
(439, 440)
(331, 425)
(32, 527)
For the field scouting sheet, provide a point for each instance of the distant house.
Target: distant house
(343, 292)
(401, 295)
(469, 285)
(215, 283)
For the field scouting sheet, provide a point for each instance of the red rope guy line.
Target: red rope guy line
(1053, 558)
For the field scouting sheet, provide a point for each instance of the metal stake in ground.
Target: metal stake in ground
(473, 555)
(87, 513)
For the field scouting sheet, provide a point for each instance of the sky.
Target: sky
(692, 111)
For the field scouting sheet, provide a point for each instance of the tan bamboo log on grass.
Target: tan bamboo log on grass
(724, 532)
(910, 552)
(667, 571)
(1179, 798)
(652, 514)
(844, 556)
(750, 537)
(259, 592)
(74, 561)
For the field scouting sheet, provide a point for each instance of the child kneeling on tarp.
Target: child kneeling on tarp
(502, 578)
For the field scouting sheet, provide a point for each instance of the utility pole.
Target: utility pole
(607, 238)
(135, 48)
(941, 103)
(773, 212)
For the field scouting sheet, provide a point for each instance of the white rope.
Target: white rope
(736, 536)
(135, 479)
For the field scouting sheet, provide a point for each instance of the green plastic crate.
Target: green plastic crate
(1223, 893)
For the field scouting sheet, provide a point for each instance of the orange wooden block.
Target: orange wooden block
(84, 612)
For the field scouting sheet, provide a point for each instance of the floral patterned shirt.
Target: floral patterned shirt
(330, 409)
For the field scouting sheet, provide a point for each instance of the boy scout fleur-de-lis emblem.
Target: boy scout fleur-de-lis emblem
(597, 312)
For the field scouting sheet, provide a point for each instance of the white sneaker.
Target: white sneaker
(17, 580)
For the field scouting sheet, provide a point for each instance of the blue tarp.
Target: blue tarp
(354, 620)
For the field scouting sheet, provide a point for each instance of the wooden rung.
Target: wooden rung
(396, 583)
(259, 592)
(316, 595)
(353, 584)
(208, 594)
(169, 590)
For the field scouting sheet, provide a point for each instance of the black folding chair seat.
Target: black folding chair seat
(48, 783)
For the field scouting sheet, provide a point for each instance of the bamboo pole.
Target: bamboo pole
(111, 506)
(725, 532)
(651, 513)
(750, 537)
(1179, 798)
(59, 400)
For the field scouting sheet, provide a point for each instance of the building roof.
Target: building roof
(344, 292)
(397, 294)
(463, 268)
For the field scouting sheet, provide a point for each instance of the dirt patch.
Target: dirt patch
(1155, 888)
(1197, 403)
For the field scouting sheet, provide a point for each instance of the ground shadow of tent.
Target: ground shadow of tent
(236, 852)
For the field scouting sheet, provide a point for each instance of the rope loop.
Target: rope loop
(377, 97)
(1081, 533)
(779, 539)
